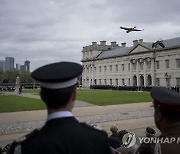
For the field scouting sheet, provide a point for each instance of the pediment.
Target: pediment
(138, 49)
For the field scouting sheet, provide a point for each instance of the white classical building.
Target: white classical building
(138, 65)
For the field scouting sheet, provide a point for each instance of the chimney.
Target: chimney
(94, 43)
(123, 44)
(135, 42)
(102, 42)
(113, 44)
(140, 40)
(84, 48)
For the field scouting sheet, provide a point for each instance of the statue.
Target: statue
(17, 84)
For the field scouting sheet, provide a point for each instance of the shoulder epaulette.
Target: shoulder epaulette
(92, 127)
(15, 147)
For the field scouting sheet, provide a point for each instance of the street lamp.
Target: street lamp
(167, 77)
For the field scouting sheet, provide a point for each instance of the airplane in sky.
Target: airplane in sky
(131, 29)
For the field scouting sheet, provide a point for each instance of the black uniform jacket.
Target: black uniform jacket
(66, 136)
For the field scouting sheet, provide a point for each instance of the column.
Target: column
(137, 74)
(89, 76)
(131, 74)
(92, 66)
(153, 70)
(145, 76)
(85, 76)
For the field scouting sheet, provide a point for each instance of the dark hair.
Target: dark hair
(55, 98)
(122, 133)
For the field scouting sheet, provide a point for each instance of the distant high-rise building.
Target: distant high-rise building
(9, 63)
(27, 65)
(18, 66)
(22, 68)
(2, 65)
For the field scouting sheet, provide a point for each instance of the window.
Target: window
(110, 81)
(99, 68)
(117, 82)
(110, 67)
(104, 68)
(95, 69)
(123, 82)
(116, 68)
(134, 66)
(90, 69)
(178, 81)
(99, 81)
(157, 64)
(167, 63)
(178, 63)
(141, 66)
(149, 65)
(157, 82)
(122, 67)
(105, 81)
(94, 81)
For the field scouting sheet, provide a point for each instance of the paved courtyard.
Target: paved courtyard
(133, 117)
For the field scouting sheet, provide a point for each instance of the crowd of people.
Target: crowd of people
(64, 134)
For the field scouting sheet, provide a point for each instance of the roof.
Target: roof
(125, 50)
(114, 53)
(168, 43)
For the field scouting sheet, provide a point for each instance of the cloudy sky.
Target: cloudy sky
(45, 31)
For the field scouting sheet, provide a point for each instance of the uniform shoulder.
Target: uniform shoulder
(15, 146)
(93, 128)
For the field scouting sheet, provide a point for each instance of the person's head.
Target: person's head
(121, 134)
(58, 98)
(58, 83)
(150, 132)
(114, 129)
(167, 107)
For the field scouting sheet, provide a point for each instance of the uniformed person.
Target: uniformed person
(167, 119)
(62, 133)
(150, 132)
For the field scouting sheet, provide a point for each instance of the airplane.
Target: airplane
(160, 43)
(131, 29)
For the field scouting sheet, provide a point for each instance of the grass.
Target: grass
(11, 103)
(103, 97)
(32, 91)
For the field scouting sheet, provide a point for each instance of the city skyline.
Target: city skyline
(8, 63)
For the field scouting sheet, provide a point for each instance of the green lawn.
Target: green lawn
(10, 103)
(106, 97)
(33, 91)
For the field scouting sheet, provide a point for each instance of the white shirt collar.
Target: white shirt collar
(60, 114)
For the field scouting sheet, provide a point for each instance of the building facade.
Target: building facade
(27, 65)
(9, 63)
(2, 65)
(138, 65)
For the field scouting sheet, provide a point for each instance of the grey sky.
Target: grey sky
(45, 31)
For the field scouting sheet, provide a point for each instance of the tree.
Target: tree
(10, 77)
